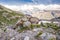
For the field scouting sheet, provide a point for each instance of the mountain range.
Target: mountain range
(43, 14)
(46, 14)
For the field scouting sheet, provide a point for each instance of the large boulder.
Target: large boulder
(34, 20)
(27, 24)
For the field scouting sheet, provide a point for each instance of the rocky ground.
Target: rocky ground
(41, 33)
(26, 30)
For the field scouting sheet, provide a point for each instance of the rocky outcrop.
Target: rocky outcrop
(27, 21)
(34, 20)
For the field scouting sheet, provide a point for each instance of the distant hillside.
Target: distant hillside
(8, 16)
(46, 14)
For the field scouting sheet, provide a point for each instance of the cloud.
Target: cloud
(30, 7)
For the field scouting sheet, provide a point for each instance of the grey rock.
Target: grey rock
(2, 35)
(47, 36)
(27, 24)
(58, 35)
(11, 33)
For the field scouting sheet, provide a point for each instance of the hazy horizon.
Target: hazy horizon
(30, 4)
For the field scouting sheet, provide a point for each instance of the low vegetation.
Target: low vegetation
(9, 17)
(38, 34)
(51, 25)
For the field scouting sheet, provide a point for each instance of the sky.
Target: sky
(30, 4)
(13, 2)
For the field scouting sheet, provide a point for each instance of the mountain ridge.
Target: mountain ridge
(8, 16)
